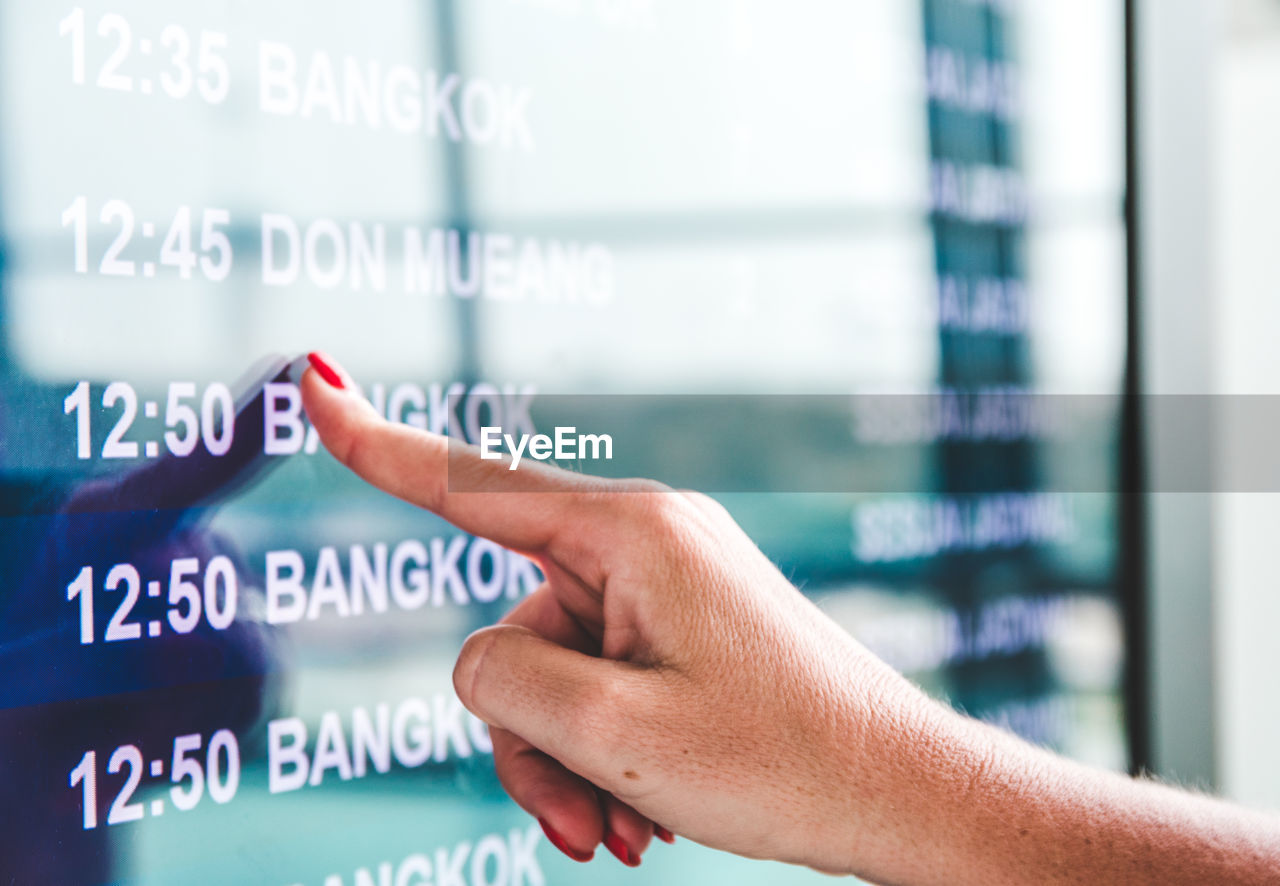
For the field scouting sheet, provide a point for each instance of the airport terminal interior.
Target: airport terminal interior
(964, 309)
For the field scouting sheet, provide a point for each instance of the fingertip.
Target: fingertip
(319, 392)
(559, 799)
(558, 841)
(628, 833)
(621, 850)
(565, 804)
(334, 405)
(327, 368)
(325, 380)
(318, 396)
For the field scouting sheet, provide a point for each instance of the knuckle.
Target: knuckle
(596, 708)
(706, 504)
(656, 503)
(645, 486)
(619, 494)
(648, 503)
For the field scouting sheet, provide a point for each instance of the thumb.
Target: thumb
(583, 711)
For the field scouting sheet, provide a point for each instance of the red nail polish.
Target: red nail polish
(558, 842)
(663, 834)
(326, 371)
(621, 850)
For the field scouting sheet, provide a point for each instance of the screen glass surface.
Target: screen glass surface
(887, 236)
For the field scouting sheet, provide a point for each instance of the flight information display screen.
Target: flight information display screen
(884, 239)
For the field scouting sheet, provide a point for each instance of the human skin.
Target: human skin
(667, 673)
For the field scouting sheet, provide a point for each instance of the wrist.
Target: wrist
(913, 772)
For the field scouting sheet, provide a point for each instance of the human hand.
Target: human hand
(666, 674)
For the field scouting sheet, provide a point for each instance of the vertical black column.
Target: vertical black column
(978, 219)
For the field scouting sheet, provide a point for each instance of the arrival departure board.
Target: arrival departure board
(858, 269)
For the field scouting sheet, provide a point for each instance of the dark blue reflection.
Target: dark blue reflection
(173, 643)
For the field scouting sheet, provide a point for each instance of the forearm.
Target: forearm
(978, 806)
(1068, 823)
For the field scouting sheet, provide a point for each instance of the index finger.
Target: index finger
(524, 510)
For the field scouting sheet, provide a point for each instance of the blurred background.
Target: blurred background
(1211, 72)
(908, 209)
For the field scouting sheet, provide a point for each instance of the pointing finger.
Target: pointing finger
(524, 510)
